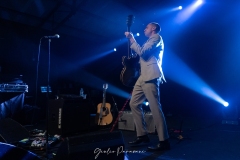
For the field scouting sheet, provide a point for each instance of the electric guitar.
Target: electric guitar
(104, 115)
(131, 69)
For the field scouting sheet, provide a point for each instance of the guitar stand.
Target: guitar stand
(115, 111)
(120, 113)
(180, 137)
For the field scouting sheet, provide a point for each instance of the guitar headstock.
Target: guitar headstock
(130, 19)
(105, 86)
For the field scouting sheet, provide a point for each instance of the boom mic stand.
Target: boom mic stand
(48, 77)
(47, 106)
(47, 93)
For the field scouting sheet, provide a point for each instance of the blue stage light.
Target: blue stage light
(146, 103)
(180, 7)
(199, 2)
(188, 12)
(115, 49)
(226, 104)
(190, 79)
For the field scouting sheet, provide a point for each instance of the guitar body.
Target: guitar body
(130, 71)
(106, 114)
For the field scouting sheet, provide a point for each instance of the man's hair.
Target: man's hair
(158, 28)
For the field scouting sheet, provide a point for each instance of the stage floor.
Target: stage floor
(200, 138)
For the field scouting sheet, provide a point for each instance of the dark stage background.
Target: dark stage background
(208, 42)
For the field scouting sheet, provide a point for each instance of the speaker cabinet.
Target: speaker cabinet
(11, 131)
(68, 116)
(100, 146)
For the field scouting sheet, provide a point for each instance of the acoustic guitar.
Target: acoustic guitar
(104, 115)
(131, 69)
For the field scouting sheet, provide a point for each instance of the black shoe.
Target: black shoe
(141, 139)
(162, 146)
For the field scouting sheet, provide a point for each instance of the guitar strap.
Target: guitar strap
(121, 112)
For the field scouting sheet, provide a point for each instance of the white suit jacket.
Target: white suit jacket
(150, 54)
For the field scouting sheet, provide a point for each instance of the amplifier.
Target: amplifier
(68, 116)
(13, 88)
(126, 122)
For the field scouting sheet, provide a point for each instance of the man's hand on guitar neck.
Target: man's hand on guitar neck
(130, 36)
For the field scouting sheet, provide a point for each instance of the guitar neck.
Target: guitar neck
(129, 44)
(129, 23)
(104, 98)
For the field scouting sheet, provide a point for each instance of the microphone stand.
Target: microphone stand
(47, 106)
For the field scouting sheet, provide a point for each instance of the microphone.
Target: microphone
(55, 36)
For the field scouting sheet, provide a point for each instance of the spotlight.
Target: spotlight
(199, 2)
(226, 104)
(115, 49)
(146, 103)
(138, 34)
(180, 7)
